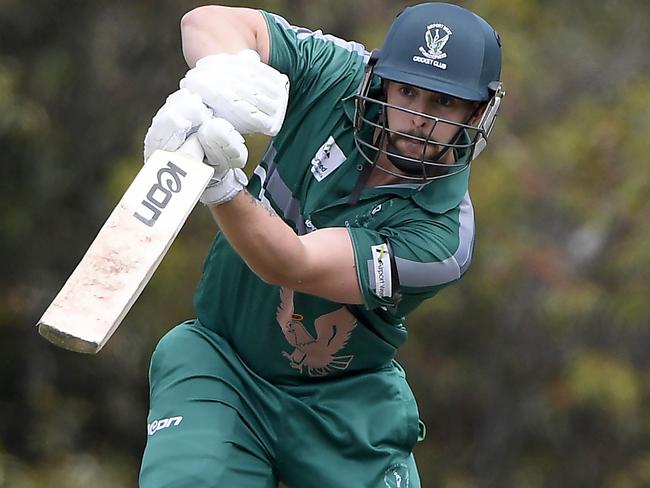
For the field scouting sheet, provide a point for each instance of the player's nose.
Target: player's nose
(422, 121)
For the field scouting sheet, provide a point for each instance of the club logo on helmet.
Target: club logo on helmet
(436, 37)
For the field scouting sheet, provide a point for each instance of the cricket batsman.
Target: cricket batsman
(357, 213)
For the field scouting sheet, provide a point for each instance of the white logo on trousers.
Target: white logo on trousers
(161, 424)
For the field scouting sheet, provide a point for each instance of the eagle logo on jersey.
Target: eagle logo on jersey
(316, 355)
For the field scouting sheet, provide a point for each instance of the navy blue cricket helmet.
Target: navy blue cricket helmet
(442, 48)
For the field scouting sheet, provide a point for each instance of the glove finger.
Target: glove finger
(168, 131)
(224, 147)
(217, 88)
(189, 105)
(234, 156)
(202, 87)
(265, 104)
(244, 62)
(271, 82)
(264, 94)
(223, 100)
(181, 113)
(250, 122)
(249, 56)
(244, 116)
(216, 60)
(224, 61)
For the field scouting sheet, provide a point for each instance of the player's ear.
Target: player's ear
(476, 112)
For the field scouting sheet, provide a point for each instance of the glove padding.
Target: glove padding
(226, 151)
(241, 89)
(224, 146)
(182, 113)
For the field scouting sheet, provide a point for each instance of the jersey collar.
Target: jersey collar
(437, 196)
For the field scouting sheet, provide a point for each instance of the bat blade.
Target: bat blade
(127, 250)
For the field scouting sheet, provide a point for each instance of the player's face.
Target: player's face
(429, 103)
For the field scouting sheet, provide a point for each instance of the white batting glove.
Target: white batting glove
(241, 89)
(226, 151)
(181, 115)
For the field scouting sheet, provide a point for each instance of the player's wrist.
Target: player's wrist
(224, 187)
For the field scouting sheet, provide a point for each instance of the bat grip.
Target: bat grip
(193, 147)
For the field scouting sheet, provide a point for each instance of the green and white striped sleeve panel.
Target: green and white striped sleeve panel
(403, 265)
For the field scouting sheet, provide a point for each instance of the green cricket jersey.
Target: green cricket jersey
(409, 242)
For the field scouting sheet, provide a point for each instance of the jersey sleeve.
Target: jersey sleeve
(399, 267)
(312, 60)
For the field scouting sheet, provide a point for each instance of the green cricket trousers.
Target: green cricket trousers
(215, 423)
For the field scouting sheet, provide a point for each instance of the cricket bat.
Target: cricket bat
(127, 250)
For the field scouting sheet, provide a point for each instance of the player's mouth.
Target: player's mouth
(414, 148)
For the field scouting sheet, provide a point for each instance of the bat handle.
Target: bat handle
(193, 147)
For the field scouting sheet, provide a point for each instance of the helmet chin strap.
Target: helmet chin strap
(365, 173)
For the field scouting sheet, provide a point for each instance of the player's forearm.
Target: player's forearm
(214, 29)
(270, 248)
(320, 263)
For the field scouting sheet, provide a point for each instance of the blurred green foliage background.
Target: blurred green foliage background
(533, 371)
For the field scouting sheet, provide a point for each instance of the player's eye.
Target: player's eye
(445, 101)
(406, 91)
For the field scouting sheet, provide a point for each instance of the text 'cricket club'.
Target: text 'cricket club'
(160, 192)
